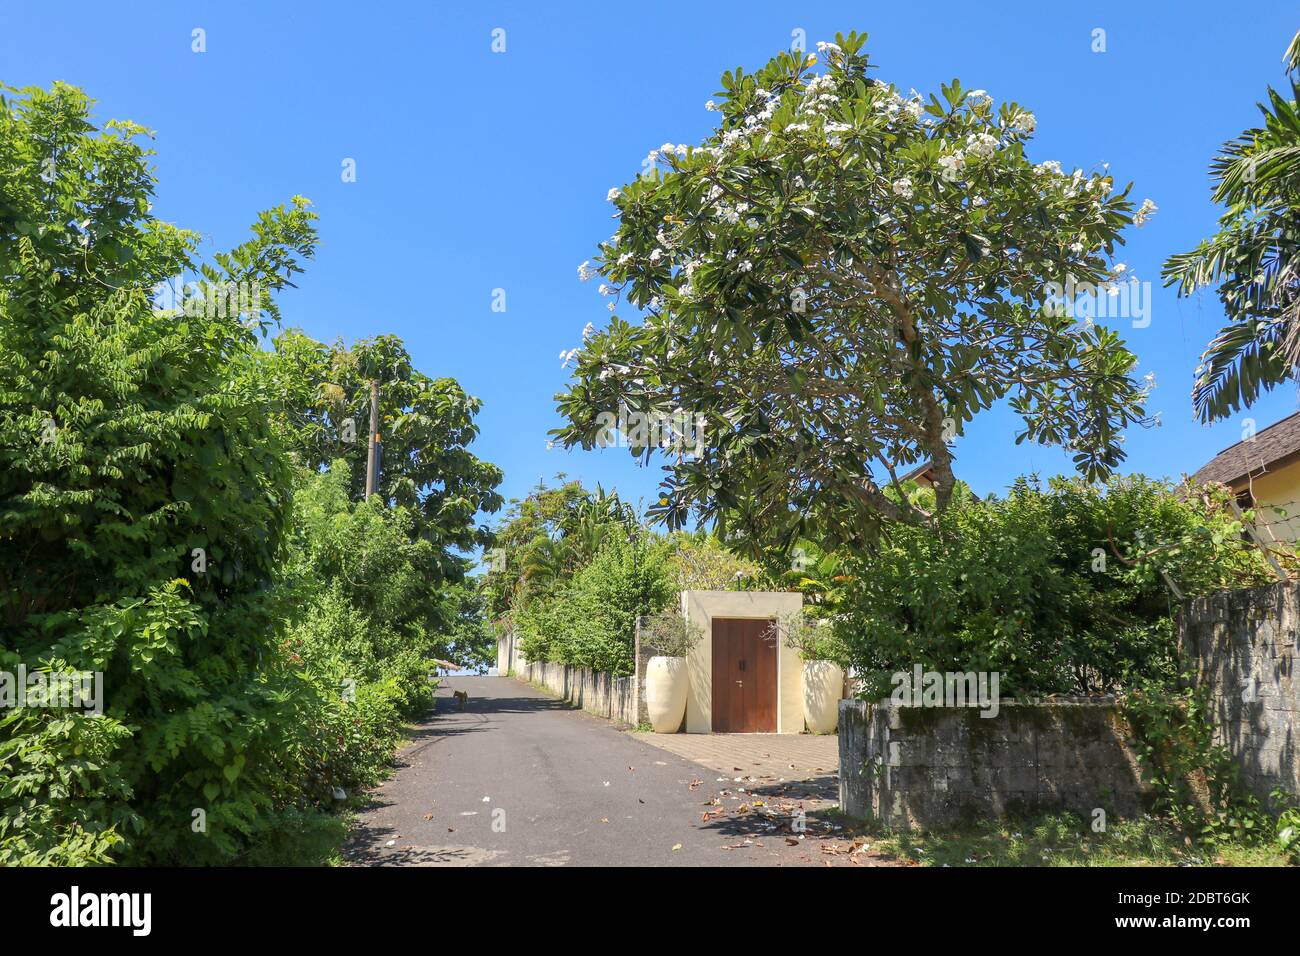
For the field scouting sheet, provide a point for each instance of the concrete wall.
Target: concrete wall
(593, 691)
(921, 767)
(701, 607)
(1241, 647)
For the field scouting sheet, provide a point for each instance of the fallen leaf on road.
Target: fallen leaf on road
(697, 783)
(604, 819)
(677, 846)
(792, 841)
(428, 816)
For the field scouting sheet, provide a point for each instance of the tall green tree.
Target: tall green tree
(837, 280)
(1254, 258)
(426, 424)
(142, 499)
(546, 537)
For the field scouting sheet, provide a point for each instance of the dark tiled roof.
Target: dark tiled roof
(924, 470)
(1266, 448)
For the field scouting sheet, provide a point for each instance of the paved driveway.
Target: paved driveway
(767, 757)
(521, 779)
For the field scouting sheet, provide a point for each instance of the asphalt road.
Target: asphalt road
(521, 779)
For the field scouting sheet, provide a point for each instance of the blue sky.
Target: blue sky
(479, 170)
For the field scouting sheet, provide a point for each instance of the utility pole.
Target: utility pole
(375, 445)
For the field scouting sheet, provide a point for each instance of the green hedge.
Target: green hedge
(1063, 589)
(590, 620)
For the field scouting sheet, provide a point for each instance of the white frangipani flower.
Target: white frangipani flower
(903, 188)
(1024, 122)
(1145, 212)
(585, 271)
(612, 194)
(981, 145)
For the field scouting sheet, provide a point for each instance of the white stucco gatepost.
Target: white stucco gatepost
(700, 608)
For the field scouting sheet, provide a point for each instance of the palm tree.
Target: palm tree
(545, 562)
(1254, 258)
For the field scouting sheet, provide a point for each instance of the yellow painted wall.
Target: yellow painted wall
(701, 607)
(1278, 489)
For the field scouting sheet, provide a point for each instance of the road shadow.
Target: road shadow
(367, 846)
(446, 706)
(775, 809)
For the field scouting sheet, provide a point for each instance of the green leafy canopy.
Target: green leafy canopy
(837, 280)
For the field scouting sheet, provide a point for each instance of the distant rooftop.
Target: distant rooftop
(1277, 444)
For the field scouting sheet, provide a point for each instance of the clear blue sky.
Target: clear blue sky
(478, 170)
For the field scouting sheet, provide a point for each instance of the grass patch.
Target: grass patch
(1067, 840)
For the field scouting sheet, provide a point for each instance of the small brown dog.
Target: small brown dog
(461, 697)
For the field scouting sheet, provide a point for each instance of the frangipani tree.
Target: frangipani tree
(838, 279)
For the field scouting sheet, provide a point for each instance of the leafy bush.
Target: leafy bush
(546, 537)
(1062, 590)
(813, 638)
(591, 620)
(369, 619)
(670, 633)
(699, 561)
(145, 489)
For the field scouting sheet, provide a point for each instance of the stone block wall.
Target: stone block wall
(924, 767)
(1241, 647)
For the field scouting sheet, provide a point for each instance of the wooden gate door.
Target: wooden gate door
(744, 676)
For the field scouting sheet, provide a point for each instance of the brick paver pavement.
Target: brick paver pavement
(766, 757)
